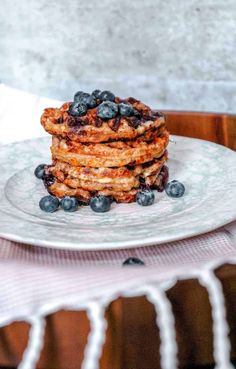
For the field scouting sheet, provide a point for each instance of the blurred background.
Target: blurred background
(176, 54)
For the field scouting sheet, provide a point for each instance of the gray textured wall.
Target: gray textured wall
(172, 54)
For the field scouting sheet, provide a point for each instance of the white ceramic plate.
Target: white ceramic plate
(206, 169)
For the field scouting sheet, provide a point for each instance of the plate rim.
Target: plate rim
(110, 245)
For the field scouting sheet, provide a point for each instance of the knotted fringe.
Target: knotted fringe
(155, 293)
(96, 336)
(220, 327)
(35, 343)
(166, 323)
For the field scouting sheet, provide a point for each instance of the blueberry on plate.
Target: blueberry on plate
(107, 110)
(77, 109)
(49, 204)
(107, 96)
(69, 203)
(100, 204)
(96, 93)
(126, 110)
(145, 197)
(133, 261)
(39, 171)
(175, 189)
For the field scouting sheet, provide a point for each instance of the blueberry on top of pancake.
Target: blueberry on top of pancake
(100, 117)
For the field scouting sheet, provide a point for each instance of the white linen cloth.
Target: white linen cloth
(33, 279)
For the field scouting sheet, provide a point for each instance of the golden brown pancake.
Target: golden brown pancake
(60, 190)
(91, 128)
(111, 154)
(115, 179)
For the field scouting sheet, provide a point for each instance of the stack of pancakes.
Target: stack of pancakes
(112, 157)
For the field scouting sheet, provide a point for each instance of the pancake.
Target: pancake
(116, 179)
(91, 128)
(62, 170)
(60, 190)
(113, 154)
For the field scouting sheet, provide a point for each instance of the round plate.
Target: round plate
(206, 169)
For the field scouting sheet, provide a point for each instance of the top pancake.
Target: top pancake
(91, 128)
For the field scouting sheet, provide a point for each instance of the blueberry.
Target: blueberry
(78, 95)
(133, 261)
(77, 108)
(69, 203)
(126, 109)
(96, 93)
(91, 101)
(106, 96)
(86, 99)
(175, 189)
(81, 97)
(49, 204)
(145, 197)
(39, 171)
(100, 204)
(107, 110)
(110, 199)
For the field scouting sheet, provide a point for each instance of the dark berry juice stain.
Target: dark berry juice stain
(48, 180)
(86, 170)
(98, 122)
(84, 122)
(134, 122)
(71, 121)
(130, 167)
(59, 120)
(77, 121)
(115, 123)
(137, 113)
(143, 185)
(148, 164)
(142, 181)
(145, 118)
(157, 114)
(83, 202)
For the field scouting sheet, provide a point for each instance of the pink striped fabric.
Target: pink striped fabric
(32, 276)
(193, 250)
